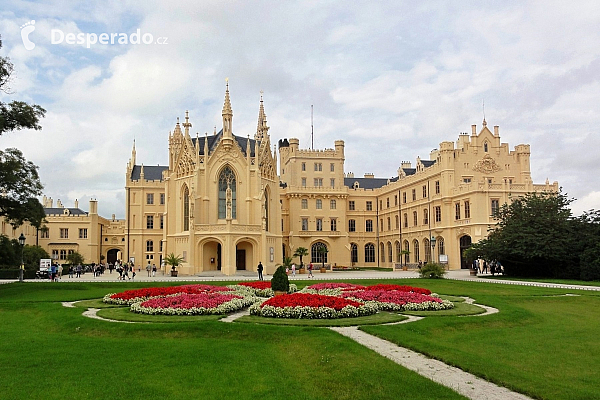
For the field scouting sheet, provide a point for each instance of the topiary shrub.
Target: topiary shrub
(432, 271)
(280, 281)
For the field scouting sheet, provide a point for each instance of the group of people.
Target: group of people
(260, 270)
(481, 266)
(151, 269)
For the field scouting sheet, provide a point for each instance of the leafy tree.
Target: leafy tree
(301, 252)
(19, 180)
(280, 281)
(534, 236)
(32, 256)
(10, 252)
(75, 258)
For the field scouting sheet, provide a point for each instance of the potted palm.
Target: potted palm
(174, 261)
(301, 252)
(404, 253)
(323, 252)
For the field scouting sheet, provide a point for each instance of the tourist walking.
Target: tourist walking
(148, 268)
(153, 270)
(485, 267)
(260, 271)
(78, 270)
(310, 268)
(293, 269)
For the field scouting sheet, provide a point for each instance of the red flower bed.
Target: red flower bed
(336, 285)
(400, 288)
(391, 296)
(165, 291)
(257, 284)
(187, 301)
(309, 300)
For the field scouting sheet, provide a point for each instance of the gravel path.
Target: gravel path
(456, 379)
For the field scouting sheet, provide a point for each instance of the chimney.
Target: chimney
(474, 130)
(59, 204)
(496, 130)
(369, 175)
(76, 203)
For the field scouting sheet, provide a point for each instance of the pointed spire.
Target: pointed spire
(133, 153)
(227, 113)
(484, 122)
(205, 146)
(248, 148)
(261, 128)
(142, 173)
(227, 104)
(187, 125)
(177, 127)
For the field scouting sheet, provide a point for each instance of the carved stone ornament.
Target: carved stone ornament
(486, 165)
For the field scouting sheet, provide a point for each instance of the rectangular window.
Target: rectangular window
(467, 209)
(424, 191)
(303, 182)
(438, 214)
(351, 205)
(149, 222)
(318, 182)
(63, 254)
(495, 206)
(150, 198)
(405, 220)
(381, 204)
(369, 206)
(55, 254)
(437, 187)
(396, 200)
(304, 224)
(332, 182)
(318, 167)
(304, 204)
(457, 211)
(389, 221)
(425, 217)
(332, 167)
(414, 194)
(82, 233)
(332, 204)
(333, 225)
(388, 202)
(45, 233)
(64, 233)
(369, 225)
(319, 204)
(162, 199)
(351, 225)
(467, 180)
(162, 222)
(149, 256)
(303, 166)
(381, 224)
(160, 245)
(397, 222)
(403, 197)
(415, 218)
(319, 224)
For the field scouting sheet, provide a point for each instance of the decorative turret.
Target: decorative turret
(187, 125)
(227, 112)
(261, 128)
(206, 147)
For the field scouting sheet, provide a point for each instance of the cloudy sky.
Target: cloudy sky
(392, 79)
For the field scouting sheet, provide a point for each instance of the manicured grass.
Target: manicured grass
(379, 318)
(52, 352)
(460, 308)
(546, 280)
(540, 344)
(123, 314)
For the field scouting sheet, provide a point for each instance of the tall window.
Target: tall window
(351, 225)
(162, 199)
(467, 209)
(64, 233)
(266, 211)
(304, 224)
(353, 253)
(396, 200)
(149, 222)
(390, 256)
(318, 167)
(332, 167)
(415, 218)
(63, 254)
(369, 252)
(398, 249)
(332, 204)
(397, 226)
(319, 204)
(186, 209)
(405, 220)
(369, 206)
(303, 166)
(332, 182)
(82, 233)
(45, 233)
(162, 222)
(319, 224)
(389, 221)
(406, 252)
(318, 182)
(414, 194)
(485, 147)
(438, 214)
(351, 205)
(333, 225)
(424, 191)
(425, 217)
(404, 197)
(382, 252)
(457, 211)
(388, 202)
(149, 198)
(304, 204)
(149, 246)
(441, 249)
(495, 206)
(427, 250)
(303, 182)
(227, 181)
(369, 225)
(437, 187)
(416, 251)
(318, 253)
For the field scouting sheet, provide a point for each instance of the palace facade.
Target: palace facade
(225, 203)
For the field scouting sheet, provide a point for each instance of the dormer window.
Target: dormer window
(355, 185)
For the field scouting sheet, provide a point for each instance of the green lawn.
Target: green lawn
(546, 280)
(539, 344)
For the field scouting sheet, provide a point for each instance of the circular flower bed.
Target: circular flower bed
(258, 288)
(397, 300)
(311, 306)
(129, 297)
(193, 304)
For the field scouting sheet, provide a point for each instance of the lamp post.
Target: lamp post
(432, 248)
(22, 243)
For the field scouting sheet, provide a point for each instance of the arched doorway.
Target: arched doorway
(112, 256)
(465, 243)
(243, 256)
(210, 256)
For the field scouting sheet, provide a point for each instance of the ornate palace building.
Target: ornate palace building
(220, 204)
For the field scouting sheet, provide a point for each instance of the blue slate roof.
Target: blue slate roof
(213, 141)
(368, 183)
(151, 172)
(427, 163)
(409, 171)
(61, 211)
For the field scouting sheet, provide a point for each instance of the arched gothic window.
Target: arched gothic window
(354, 253)
(369, 252)
(316, 254)
(266, 211)
(227, 181)
(416, 251)
(398, 255)
(186, 209)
